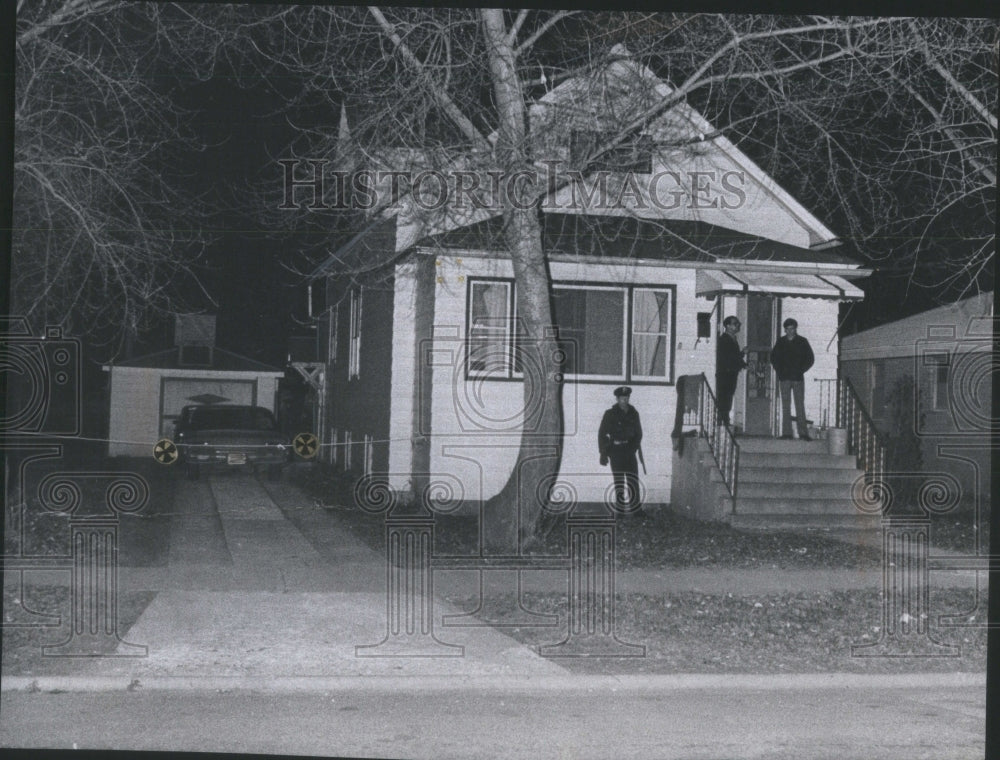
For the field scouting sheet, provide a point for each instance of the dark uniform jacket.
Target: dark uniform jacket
(618, 426)
(792, 358)
(728, 357)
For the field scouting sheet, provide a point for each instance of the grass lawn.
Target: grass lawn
(22, 646)
(681, 631)
(715, 633)
(782, 633)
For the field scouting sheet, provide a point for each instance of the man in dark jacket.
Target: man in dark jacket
(791, 357)
(618, 440)
(728, 363)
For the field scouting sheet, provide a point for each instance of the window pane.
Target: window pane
(649, 356)
(878, 388)
(650, 333)
(941, 388)
(591, 330)
(488, 324)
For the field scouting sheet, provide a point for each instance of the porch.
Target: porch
(762, 482)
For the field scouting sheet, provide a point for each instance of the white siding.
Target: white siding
(404, 379)
(477, 422)
(135, 411)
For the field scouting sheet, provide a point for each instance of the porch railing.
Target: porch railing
(841, 407)
(721, 441)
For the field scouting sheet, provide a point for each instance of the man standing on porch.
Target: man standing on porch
(728, 363)
(791, 357)
(618, 439)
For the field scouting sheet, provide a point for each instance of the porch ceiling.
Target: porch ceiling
(711, 283)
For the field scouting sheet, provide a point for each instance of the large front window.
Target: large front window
(605, 332)
(591, 330)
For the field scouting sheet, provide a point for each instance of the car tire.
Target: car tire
(274, 472)
(194, 472)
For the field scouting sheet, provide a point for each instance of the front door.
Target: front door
(759, 382)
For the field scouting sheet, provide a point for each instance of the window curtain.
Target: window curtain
(649, 328)
(489, 326)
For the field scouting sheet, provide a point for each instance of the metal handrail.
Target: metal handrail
(720, 439)
(863, 437)
(841, 406)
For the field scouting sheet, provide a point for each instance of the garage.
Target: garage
(146, 394)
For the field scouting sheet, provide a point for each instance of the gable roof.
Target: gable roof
(766, 223)
(687, 144)
(222, 361)
(626, 237)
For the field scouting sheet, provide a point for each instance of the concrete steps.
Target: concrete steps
(795, 461)
(789, 475)
(764, 522)
(796, 484)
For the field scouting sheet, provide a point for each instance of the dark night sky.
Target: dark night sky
(258, 299)
(242, 268)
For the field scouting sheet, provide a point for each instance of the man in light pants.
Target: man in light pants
(791, 357)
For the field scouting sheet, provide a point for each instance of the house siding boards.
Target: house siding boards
(951, 418)
(358, 404)
(465, 427)
(470, 425)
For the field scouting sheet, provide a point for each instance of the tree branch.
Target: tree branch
(443, 99)
(971, 99)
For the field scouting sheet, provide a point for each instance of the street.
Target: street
(663, 723)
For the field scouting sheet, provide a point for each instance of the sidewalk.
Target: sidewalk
(271, 609)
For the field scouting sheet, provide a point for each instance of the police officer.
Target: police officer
(619, 439)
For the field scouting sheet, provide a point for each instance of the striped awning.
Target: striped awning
(713, 282)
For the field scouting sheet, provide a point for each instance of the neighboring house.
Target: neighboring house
(423, 374)
(146, 394)
(945, 356)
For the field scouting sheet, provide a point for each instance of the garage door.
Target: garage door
(180, 392)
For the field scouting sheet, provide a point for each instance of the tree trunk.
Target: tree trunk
(514, 516)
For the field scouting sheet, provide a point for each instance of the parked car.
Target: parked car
(230, 436)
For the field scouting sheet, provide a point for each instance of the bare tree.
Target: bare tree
(103, 234)
(819, 101)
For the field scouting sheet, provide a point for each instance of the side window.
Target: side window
(651, 342)
(878, 388)
(369, 454)
(262, 420)
(333, 326)
(488, 338)
(354, 359)
(939, 380)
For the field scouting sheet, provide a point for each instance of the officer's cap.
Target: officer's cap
(623, 390)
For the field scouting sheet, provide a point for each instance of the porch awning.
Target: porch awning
(713, 282)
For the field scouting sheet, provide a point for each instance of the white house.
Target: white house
(640, 288)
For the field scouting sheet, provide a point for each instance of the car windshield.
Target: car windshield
(231, 418)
